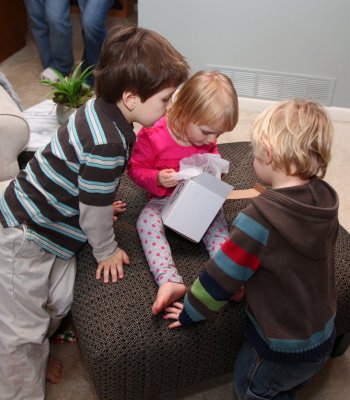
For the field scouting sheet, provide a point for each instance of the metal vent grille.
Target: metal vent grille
(268, 85)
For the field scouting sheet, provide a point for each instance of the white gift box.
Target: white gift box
(194, 204)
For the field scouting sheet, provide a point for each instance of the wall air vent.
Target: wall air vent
(268, 85)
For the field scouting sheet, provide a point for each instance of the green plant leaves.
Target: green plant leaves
(71, 91)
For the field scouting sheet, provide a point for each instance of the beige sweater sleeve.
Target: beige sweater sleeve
(97, 223)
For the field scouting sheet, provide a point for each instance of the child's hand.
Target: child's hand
(173, 312)
(118, 207)
(113, 265)
(165, 178)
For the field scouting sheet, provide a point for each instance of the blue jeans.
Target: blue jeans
(93, 18)
(259, 379)
(51, 27)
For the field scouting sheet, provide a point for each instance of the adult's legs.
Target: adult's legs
(60, 27)
(93, 19)
(40, 29)
(27, 280)
(52, 31)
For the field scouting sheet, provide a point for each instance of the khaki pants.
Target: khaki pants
(36, 292)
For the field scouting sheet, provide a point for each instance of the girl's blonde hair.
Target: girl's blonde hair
(299, 133)
(207, 98)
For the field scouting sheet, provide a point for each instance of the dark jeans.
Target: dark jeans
(257, 379)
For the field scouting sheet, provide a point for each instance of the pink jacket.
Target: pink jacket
(155, 150)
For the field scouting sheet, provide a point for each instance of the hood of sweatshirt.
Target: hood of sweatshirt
(306, 216)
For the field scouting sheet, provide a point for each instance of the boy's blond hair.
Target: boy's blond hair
(207, 98)
(300, 135)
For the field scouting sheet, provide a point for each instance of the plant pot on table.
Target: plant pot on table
(70, 92)
(63, 112)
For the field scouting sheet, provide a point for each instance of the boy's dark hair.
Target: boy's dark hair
(137, 60)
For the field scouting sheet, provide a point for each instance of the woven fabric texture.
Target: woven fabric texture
(132, 355)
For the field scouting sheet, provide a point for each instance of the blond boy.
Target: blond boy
(281, 248)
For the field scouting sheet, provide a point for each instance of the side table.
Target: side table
(43, 124)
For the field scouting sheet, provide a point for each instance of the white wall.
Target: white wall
(307, 37)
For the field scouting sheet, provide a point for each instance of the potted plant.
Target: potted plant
(70, 92)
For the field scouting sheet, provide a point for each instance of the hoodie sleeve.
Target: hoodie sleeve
(233, 265)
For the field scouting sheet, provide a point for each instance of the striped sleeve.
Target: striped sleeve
(101, 160)
(235, 263)
(100, 173)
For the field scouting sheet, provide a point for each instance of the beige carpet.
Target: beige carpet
(332, 383)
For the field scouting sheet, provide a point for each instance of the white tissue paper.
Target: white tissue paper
(195, 165)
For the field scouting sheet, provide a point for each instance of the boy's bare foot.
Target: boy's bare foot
(54, 370)
(167, 293)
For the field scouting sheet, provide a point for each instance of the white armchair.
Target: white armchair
(14, 135)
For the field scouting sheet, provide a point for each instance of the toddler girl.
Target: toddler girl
(204, 108)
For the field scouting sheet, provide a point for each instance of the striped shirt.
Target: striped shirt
(83, 163)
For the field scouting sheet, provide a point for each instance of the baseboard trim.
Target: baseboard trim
(336, 113)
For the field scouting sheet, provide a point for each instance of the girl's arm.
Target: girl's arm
(141, 167)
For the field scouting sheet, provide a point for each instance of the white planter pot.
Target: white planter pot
(63, 113)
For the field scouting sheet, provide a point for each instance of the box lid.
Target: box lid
(214, 184)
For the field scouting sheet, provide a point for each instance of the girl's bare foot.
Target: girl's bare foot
(167, 293)
(54, 370)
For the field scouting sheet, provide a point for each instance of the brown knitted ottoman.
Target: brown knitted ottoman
(132, 355)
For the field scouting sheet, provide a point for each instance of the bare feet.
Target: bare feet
(54, 370)
(167, 293)
(239, 295)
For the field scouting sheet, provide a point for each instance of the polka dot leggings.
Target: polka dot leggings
(156, 247)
